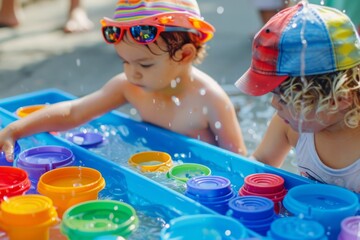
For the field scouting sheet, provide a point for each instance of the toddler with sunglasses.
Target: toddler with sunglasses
(158, 41)
(308, 56)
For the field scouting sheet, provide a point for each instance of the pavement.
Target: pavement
(38, 54)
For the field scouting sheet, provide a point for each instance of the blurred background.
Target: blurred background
(37, 54)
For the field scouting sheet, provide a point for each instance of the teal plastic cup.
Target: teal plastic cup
(327, 204)
(204, 227)
(93, 219)
(186, 171)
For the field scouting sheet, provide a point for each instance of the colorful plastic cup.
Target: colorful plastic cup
(13, 181)
(28, 217)
(186, 171)
(92, 219)
(293, 228)
(254, 212)
(151, 161)
(26, 110)
(327, 204)
(3, 161)
(38, 160)
(215, 192)
(68, 186)
(204, 226)
(265, 185)
(350, 228)
(86, 139)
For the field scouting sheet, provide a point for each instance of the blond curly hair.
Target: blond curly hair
(322, 93)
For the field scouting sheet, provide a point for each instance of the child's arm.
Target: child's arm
(276, 143)
(63, 116)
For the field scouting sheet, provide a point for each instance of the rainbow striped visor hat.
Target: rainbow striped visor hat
(302, 40)
(154, 16)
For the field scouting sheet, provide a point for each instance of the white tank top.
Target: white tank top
(310, 166)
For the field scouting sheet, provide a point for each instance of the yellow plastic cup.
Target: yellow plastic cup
(28, 217)
(151, 161)
(26, 110)
(68, 186)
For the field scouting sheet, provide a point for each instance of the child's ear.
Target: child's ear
(344, 102)
(187, 53)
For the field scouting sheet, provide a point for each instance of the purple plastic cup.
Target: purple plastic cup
(3, 161)
(255, 212)
(350, 228)
(38, 160)
(86, 140)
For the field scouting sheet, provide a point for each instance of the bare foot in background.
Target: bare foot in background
(9, 14)
(78, 21)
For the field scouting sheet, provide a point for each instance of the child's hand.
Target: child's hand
(7, 145)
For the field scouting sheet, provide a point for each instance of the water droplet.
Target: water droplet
(220, 10)
(78, 62)
(294, 25)
(202, 92)
(173, 83)
(133, 111)
(205, 110)
(176, 100)
(217, 125)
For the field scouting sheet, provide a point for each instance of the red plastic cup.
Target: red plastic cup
(266, 185)
(13, 181)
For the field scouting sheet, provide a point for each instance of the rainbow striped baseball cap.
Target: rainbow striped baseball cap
(305, 39)
(180, 13)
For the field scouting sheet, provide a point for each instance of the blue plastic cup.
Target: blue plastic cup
(204, 227)
(327, 204)
(293, 228)
(214, 192)
(3, 161)
(255, 212)
(38, 160)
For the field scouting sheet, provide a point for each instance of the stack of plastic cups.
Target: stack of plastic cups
(293, 228)
(204, 226)
(28, 217)
(68, 186)
(3, 161)
(327, 204)
(350, 228)
(38, 160)
(13, 182)
(92, 219)
(265, 185)
(215, 192)
(256, 213)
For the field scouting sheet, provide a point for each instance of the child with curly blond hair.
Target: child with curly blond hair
(308, 56)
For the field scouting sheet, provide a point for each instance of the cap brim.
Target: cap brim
(256, 84)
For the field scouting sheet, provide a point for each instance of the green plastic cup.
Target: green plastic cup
(186, 171)
(93, 219)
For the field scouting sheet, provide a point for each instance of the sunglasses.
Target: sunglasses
(147, 30)
(143, 34)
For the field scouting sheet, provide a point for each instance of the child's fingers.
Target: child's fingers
(9, 152)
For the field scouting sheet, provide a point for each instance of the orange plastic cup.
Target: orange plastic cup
(151, 161)
(68, 186)
(26, 110)
(28, 217)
